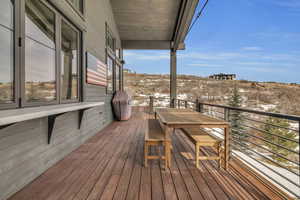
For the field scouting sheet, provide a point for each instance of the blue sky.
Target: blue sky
(258, 40)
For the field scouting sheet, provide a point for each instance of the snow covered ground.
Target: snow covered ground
(267, 107)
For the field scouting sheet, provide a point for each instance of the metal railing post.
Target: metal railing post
(185, 104)
(227, 118)
(197, 105)
(151, 104)
(178, 103)
(201, 108)
(172, 103)
(226, 114)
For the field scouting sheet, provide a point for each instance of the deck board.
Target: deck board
(110, 166)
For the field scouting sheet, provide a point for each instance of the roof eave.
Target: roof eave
(184, 21)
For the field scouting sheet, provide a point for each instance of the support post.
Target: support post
(173, 77)
(185, 104)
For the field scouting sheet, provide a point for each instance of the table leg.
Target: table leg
(226, 152)
(168, 146)
(168, 154)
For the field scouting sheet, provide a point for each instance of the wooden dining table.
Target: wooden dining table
(173, 118)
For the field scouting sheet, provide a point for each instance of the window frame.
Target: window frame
(82, 12)
(119, 66)
(108, 32)
(117, 60)
(16, 61)
(79, 63)
(23, 101)
(108, 91)
(112, 54)
(19, 37)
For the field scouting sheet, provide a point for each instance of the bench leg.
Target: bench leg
(197, 149)
(146, 149)
(170, 156)
(219, 155)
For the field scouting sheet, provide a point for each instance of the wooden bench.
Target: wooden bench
(154, 136)
(201, 138)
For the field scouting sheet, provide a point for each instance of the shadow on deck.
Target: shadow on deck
(110, 166)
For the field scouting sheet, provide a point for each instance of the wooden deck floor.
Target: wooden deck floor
(110, 166)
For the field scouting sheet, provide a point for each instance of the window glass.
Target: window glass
(6, 52)
(78, 4)
(6, 13)
(110, 65)
(117, 77)
(69, 62)
(110, 41)
(118, 55)
(40, 81)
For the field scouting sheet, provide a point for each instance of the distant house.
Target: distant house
(128, 71)
(222, 76)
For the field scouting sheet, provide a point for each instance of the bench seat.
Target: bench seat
(154, 136)
(155, 132)
(201, 138)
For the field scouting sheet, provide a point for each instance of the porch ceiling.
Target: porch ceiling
(144, 24)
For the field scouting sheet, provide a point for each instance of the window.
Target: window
(118, 77)
(110, 65)
(6, 51)
(110, 41)
(118, 53)
(40, 67)
(69, 62)
(78, 4)
(114, 56)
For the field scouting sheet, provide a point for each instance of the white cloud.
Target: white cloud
(147, 55)
(205, 65)
(252, 48)
(255, 63)
(249, 56)
(219, 59)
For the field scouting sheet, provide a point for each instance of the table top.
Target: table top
(186, 117)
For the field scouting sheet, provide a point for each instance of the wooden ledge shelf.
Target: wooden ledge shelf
(11, 117)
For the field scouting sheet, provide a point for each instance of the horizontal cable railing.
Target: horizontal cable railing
(269, 140)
